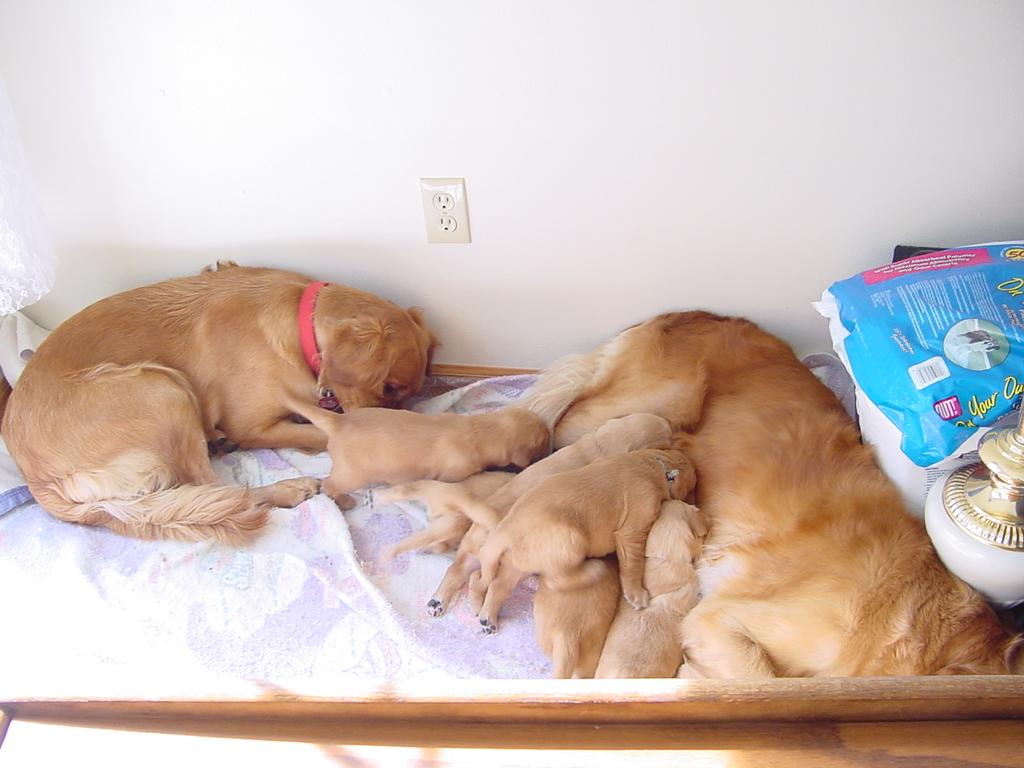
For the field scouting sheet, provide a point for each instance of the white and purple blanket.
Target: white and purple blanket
(312, 604)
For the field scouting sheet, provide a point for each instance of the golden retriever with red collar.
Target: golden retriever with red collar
(813, 566)
(111, 419)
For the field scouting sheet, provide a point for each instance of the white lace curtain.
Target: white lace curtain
(27, 257)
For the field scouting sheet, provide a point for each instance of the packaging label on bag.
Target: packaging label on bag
(937, 343)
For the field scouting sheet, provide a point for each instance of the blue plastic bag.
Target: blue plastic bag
(935, 341)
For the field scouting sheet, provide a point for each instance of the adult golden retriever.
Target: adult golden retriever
(111, 419)
(812, 566)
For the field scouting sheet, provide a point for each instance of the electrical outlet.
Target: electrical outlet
(445, 211)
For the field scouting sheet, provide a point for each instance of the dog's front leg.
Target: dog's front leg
(282, 433)
(631, 551)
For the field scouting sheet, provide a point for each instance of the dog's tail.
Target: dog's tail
(558, 387)
(138, 495)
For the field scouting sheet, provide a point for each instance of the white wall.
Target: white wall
(621, 158)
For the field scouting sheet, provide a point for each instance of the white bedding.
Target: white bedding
(310, 605)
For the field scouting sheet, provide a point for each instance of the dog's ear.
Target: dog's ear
(685, 480)
(432, 342)
(354, 352)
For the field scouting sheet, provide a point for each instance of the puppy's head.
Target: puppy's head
(376, 356)
(530, 436)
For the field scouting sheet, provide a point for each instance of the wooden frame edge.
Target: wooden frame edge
(476, 371)
(555, 714)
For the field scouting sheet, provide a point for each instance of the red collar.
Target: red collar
(307, 336)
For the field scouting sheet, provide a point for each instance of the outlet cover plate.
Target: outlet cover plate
(445, 211)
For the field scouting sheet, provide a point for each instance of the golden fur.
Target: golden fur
(486, 510)
(465, 567)
(648, 643)
(813, 565)
(445, 502)
(630, 433)
(606, 506)
(111, 419)
(571, 624)
(388, 446)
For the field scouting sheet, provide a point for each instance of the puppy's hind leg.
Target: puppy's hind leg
(415, 491)
(458, 573)
(487, 602)
(441, 535)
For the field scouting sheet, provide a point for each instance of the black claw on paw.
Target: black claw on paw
(487, 627)
(434, 608)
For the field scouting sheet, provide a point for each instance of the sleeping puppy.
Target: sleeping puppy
(571, 625)
(648, 643)
(813, 565)
(111, 419)
(445, 503)
(388, 446)
(607, 506)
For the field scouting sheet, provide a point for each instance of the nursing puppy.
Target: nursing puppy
(813, 566)
(111, 419)
(629, 433)
(571, 624)
(617, 436)
(445, 503)
(605, 507)
(394, 447)
(648, 643)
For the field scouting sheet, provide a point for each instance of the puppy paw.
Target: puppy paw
(344, 501)
(434, 608)
(639, 599)
(487, 627)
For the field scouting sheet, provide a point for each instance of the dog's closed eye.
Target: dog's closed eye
(395, 392)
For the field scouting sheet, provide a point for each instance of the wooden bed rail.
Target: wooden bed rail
(586, 714)
(475, 371)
